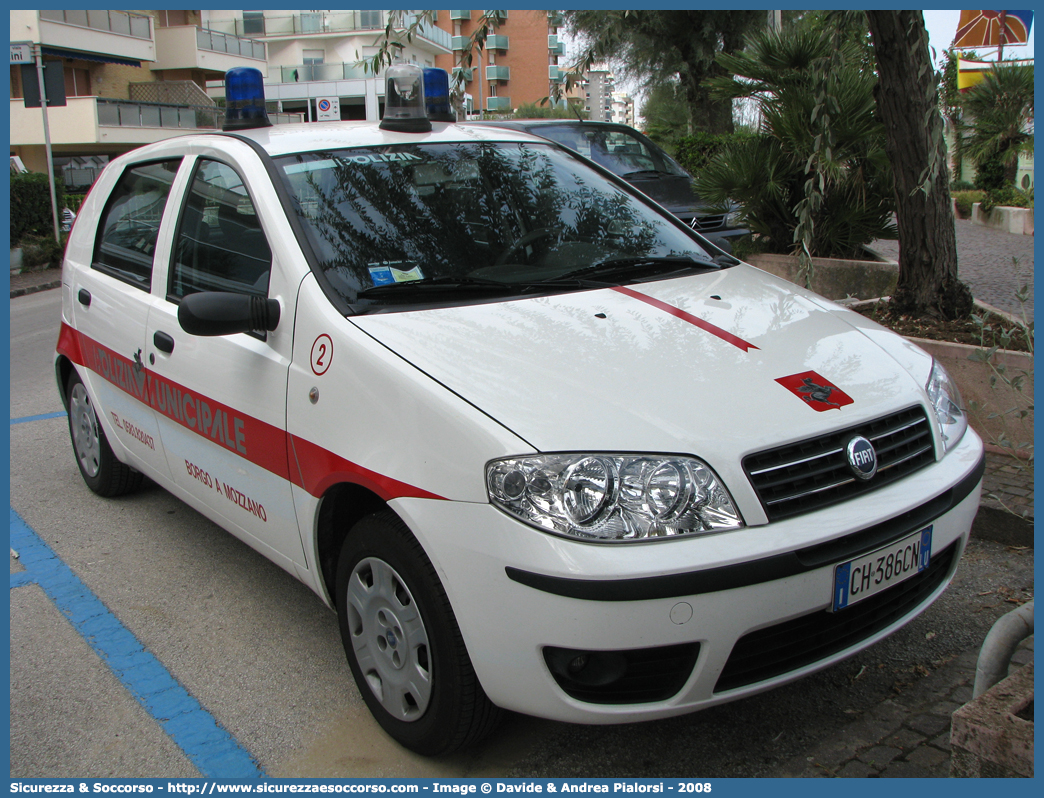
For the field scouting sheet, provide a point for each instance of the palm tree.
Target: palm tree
(815, 179)
(1000, 106)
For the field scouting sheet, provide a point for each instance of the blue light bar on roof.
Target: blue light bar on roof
(436, 95)
(245, 99)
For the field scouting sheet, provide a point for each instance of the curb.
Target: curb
(33, 289)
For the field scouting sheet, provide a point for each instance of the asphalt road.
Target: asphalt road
(262, 657)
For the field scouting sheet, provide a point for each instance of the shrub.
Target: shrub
(1008, 196)
(965, 200)
(961, 185)
(31, 205)
(546, 111)
(41, 252)
(990, 174)
(694, 151)
(74, 202)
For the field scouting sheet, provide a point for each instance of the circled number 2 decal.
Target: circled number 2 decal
(322, 354)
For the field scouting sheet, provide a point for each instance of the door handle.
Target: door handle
(85, 297)
(163, 342)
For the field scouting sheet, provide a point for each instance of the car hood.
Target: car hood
(673, 192)
(688, 365)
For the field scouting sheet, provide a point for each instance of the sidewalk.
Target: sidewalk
(31, 282)
(904, 737)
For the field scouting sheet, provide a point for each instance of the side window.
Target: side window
(126, 242)
(220, 245)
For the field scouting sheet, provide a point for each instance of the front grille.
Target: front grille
(633, 676)
(711, 222)
(814, 473)
(793, 644)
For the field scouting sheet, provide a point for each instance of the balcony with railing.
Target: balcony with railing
(122, 113)
(496, 42)
(494, 72)
(99, 120)
(327, 23)
(302, 73)
(127, 23)
(498, 104)
(189, 47)
(124, 34)
(461, 15)
(556, 46)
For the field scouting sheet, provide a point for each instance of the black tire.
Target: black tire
(403, 644)
(103, 473)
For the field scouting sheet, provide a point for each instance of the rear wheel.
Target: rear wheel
(102, 472)
(403, 644)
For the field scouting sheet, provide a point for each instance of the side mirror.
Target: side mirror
(220, 313)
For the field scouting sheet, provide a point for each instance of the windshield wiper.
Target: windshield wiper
(648, 173)
(646, 266)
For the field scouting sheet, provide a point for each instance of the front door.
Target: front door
(221, 401)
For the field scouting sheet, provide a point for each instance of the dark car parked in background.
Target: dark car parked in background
(634, 157)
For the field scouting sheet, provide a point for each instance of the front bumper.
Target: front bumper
(517, 592)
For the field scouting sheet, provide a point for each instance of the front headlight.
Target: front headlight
(948, 405)
(608, 497)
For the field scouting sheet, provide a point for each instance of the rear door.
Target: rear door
(221, 401)
(110, 304)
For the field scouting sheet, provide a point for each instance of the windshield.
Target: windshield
(617, 149)
(455, 220)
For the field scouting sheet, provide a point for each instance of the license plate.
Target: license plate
(865, 576)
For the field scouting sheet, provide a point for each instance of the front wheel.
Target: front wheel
(403, 644)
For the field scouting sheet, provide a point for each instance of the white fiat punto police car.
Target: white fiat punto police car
(541, 446)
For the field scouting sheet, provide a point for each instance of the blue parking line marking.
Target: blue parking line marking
(208, 746)
(43, 417)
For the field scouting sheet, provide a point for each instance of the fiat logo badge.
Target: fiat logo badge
(862, 458)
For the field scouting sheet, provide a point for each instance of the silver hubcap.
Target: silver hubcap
(389, 639)
(84, 431)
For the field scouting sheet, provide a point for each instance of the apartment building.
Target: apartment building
(131, 78)
(597, 91)
(622, 110)
(316, 54)
(520, 61)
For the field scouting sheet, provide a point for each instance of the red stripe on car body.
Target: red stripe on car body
(685, 316)
(263, 444)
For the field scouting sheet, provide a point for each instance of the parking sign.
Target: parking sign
(329, 109)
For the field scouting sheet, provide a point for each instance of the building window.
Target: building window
(172, 17)
(370, 20)
(254, 22)
(77, 82)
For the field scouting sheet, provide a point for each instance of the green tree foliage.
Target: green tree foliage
(815, 179)
(666, 116)
(951, 102)
(663, 45)
(999, 108)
